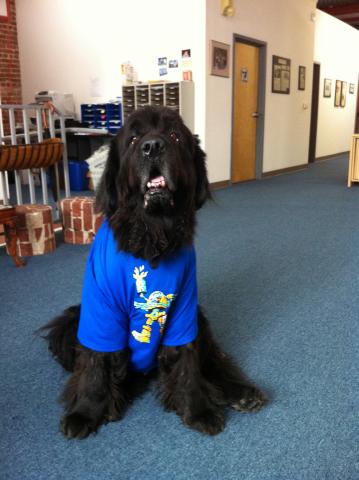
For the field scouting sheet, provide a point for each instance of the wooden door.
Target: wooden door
(245, 114)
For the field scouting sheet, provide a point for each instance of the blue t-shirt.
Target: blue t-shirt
(128, 304)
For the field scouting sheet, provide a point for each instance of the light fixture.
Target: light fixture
(227, 8)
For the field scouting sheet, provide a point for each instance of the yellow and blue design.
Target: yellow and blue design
(157, 305)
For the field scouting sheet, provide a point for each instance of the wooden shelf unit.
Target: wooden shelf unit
(176, 95)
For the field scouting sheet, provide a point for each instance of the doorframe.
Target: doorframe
(356, 123)
(314, 110)
(261, 98)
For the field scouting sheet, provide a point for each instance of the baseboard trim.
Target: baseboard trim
(272, 173)
(218, 185)
(328, 157)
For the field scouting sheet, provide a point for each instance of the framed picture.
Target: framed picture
(280, 75)
(327, 91)
(351, 87)
(301, 78)
(338, 90)
(343, 94)
(219, 59)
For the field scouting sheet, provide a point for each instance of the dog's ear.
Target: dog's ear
(202, 185)
(107, 194)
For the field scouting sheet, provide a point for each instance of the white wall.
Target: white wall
(336, 49)
(287, 28)
(68, 45)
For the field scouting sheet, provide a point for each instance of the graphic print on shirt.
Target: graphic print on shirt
(156, 305)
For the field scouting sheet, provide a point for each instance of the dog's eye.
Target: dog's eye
(174, 136)
(133, 140)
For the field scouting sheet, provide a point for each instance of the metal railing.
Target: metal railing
(36, 121)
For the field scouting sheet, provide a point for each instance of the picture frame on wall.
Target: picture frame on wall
(343, 94)
(301, 77)
(351, 87)
(280, 75)
(219, 59)
(338, 90)
(327, 91)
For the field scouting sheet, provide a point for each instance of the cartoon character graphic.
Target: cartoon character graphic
(156, 305)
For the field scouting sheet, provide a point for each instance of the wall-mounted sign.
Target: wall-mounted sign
(327, 92)
(244, 75)
(280, 75)
(301, 78)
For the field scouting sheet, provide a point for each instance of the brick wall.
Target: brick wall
(10, 76)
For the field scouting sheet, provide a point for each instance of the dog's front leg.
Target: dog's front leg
(94, 394)
(184, 389)
(221, 371)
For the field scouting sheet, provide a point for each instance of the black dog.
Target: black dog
(154, 181)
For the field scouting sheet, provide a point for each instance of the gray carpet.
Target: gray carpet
(278, 270)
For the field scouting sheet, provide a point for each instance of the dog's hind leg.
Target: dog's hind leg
(183, 388)
(61, 336)
(222, 372)
(95, 392)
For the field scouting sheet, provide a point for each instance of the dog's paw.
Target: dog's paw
(210, 421)
(251, 400)
(75, 425)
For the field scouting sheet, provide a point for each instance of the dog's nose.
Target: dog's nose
(152, 147)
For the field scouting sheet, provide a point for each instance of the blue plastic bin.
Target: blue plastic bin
(77, 173)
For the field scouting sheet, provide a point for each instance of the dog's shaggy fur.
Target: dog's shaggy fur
(197, 380)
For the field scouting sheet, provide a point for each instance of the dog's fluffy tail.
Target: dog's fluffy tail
(61, 335)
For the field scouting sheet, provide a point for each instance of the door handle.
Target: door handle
(255, 115)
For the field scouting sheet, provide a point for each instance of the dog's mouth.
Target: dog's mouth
(157, 192)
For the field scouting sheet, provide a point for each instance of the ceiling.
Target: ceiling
(345, 10)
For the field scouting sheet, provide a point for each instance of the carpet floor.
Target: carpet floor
(278, 273)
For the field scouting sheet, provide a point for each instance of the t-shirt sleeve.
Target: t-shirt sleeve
(182, 324)
(103, 324)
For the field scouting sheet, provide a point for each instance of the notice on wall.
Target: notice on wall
(280, 75)
(95, 87)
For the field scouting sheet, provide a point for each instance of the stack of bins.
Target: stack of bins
(107, 116)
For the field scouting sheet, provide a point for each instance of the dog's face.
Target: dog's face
(156, 164)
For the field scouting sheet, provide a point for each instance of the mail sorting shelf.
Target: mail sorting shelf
(178, 96)
(102, 115)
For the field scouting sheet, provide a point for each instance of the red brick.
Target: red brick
(10, 77)
(24, 250)
(78, 224)
(69, 236)
(67, 221)
(88, 220)
(98, 222)
(23, 235)
(50, 245)
(79, 237)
